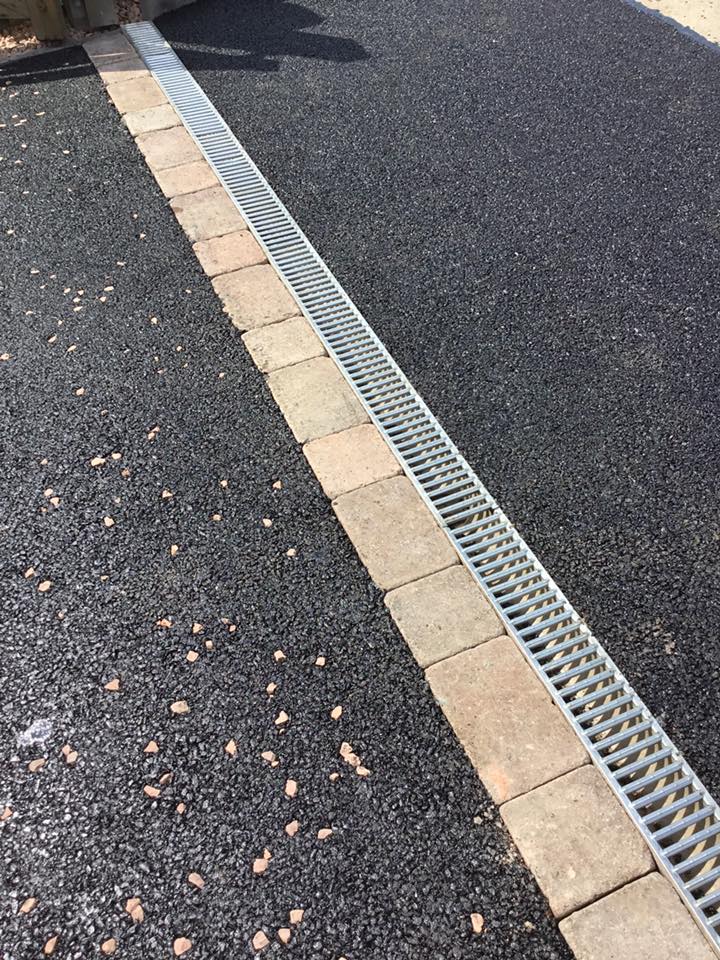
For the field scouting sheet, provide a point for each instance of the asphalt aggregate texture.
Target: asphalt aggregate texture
(524, 201)
(113, 346)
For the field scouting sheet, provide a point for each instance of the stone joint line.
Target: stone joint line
(589, 860)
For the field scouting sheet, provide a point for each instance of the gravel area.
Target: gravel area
(171, 574)
(523, 200)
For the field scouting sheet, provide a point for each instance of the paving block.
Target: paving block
(133, 95)
(315, 398)
(109, 46)
(229, 253)
(187, 178)
(512, 732)
(115, 71)
(154, 118)
(442, 615)
(394, 533)
(283, 344)
(207, 213)
(255, 296)
(46, 17)
(645, 920)
(168, 148)
(577, 839)
(354, 458)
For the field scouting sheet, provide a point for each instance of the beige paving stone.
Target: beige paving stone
(354, 458)
(255, 296)
(514, 735)
(187, 178)
(576, 839)
(283, 344)
(393, 532)
(645, 920)
(231, 252)
(315, 398)
(115, 71)
(168, 148)
(154, 118)
(442, 615)
(207, 213)
(104, 47)
(133, 95)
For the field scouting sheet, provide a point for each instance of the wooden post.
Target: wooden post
(77, 14)
(47, 19)
(101, 13)
(13, 10)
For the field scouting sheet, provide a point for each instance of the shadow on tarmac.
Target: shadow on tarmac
(55, 63)
(255, 35)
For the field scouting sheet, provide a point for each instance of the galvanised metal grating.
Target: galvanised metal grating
(664, 798)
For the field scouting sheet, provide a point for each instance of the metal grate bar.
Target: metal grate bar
(658, 790)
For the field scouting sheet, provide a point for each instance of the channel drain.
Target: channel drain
(657, 788)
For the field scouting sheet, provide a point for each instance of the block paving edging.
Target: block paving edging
(588, 859)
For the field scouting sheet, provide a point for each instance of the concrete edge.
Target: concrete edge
(328, 413)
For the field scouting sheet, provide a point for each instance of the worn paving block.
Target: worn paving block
(109, 46)
(283, 344)
(207, 213)
(255, 296)
(394, 532)
(229, 253)
(187, 178)
(315, 398)
(115, 71)
(354, 458)
(442, 615)
(154, 118)
(577, 839)
(133, 95)
(514, 735)
(645, 920)
(168, 148)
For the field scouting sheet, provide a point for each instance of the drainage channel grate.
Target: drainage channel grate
(666, 801)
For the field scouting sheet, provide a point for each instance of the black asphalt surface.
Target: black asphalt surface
(416, 846)
(524, 200)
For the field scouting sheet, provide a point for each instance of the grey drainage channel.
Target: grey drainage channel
(660, 792)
